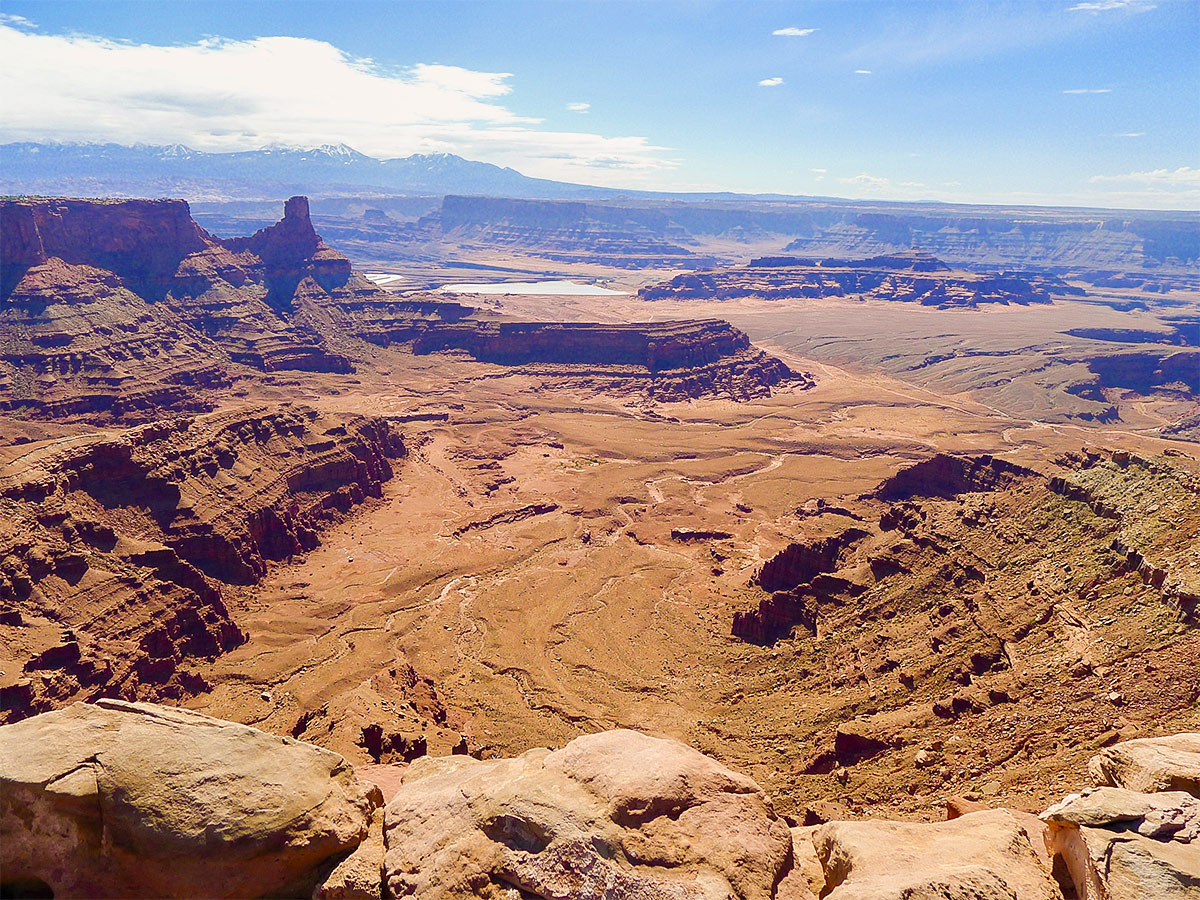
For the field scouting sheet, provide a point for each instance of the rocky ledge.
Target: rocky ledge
(667, 361)
(912, 278)
(115, 552)
(134, 800)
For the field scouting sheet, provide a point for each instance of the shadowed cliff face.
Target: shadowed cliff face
(291, 251)
(141, 241)
(123, 308)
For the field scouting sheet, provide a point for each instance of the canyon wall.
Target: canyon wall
(116, 552)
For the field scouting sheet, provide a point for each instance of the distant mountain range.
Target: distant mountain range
(150, 170)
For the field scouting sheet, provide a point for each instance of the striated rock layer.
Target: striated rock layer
(669, 361)
(959, 517)
(124, 307)
(912, 278)
(114, 550)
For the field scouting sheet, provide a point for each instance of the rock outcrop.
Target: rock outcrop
(667, 361)
(615, 815)
(122, 308)
(987, 855)
(912, 278)
(133, 800)
(1139, 839)
(1150, 764)
(114, 550)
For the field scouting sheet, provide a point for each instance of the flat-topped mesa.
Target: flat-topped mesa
(913, 277)
(914, 261)
(669, 360)
(656, 346)
(141, 241)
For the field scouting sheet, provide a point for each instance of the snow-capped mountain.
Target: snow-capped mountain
(147, 170)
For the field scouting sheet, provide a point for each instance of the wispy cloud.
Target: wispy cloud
(1130, 134)
(862, 71)
(819, 171)
(213, 95)
(1088, 91)
(1099, 6)
(1183, 177)
(579, 107)
(15, 21)
(771, 82)
(793, 31)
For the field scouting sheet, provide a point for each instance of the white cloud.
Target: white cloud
(865, 180)
(771, 82)
(1131, 134)
(579, 107)
(1098, 6)
(222, 95)
(862, 71)
(793, 31)
(819, 171)
(1183, 177)
(1088, 91)
(15, 21)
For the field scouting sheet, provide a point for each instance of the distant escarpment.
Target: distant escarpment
(668, 361)
(116, 551)
(563, 231)
(912, 277)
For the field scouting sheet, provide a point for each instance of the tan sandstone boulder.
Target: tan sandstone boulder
(131, 799)
(617, 815)
(1169, 763)
(1107, 864)
(986, 855)
(1169, 815)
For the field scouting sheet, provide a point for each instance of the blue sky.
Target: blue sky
(1088, 102)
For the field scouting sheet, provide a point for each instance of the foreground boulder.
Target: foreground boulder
(1170, 763)
(130, 799)
(986, 855)
(614, 815)
(1140, 838)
